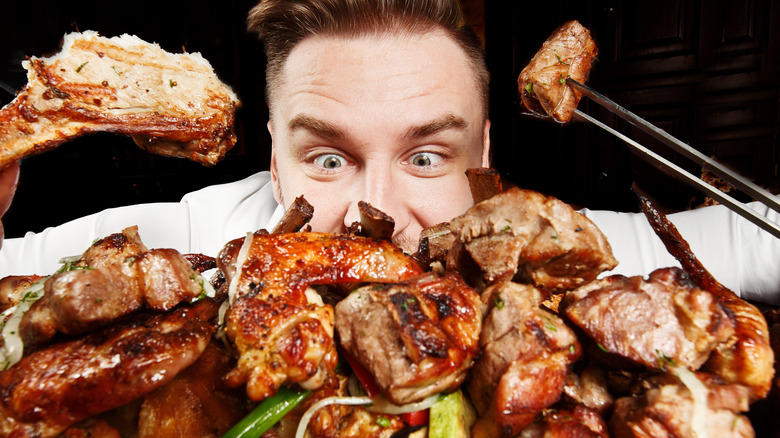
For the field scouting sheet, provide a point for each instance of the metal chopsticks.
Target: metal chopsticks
(746, 186)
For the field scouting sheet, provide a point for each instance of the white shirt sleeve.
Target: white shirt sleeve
(739, 254)
(202, 222)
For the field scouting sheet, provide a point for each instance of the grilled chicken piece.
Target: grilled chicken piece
(196, 403)
(417, 337)
(526, 353)
(535, 239)
(283, 334)
(92, 428)
(568, 52)
(576, 422)
(171, 104)
(81, 300)
(64, 383)
(649, 322)
(665, 407)
(747, 356)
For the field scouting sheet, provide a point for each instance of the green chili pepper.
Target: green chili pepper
(266, 414)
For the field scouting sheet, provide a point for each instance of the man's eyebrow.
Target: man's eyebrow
(317, 126)
(448, 121)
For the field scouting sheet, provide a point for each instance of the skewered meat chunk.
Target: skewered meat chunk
(568, 52)
(63, 383)
(526, 353)
(576, 422)
(114, 282)
(417, 337)
(171, 104)
(747, 356)
(665, 317)
(536, 239)
(283, 334)
(665, 407)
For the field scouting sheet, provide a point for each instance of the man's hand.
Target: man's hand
(8, 179)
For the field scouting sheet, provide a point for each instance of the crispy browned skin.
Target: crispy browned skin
(526, 354)
(535, 238)
(281, 336)
(298, 215)
(747, 356)
(171, 104)
(417, 337)
(568, 52)
(484, 183)
(57, 386)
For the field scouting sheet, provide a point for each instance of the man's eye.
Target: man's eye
(329, 161)
(423, 159)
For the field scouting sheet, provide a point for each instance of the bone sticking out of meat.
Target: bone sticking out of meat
(296, 217)
(526, 354)
(568, 52)
(171, 104)
(374, 223)
(526, 236)
(484, 183)
(678, 321)
(747, 357)
(417, 337)
(283, 334)
(66, 382)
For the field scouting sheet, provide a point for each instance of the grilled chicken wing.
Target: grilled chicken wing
(171, 104)
(61, 384)
(568, 52)
(526, 353)
(417, 337)
(282, 333)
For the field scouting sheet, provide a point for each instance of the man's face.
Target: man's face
(394, 121)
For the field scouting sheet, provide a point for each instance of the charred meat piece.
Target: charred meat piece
(417, 337)
(575, 422)
(80, 300)
(283, 334)
(588, 385)
(113, 249)
(536, 239)
(484, 183)
(298, 215)
(64, 383)
(171, 104)
(667, 407)
(526, 353)
(649, 322)
(747, 356)
(568, 52)
(196, 403)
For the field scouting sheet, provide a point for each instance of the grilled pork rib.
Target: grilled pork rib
(283, 334)
(568, 52)
(63, 383)
(171, 104)
(417, 337)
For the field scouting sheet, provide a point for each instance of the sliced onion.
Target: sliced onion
(243, 253)
(304, 423)
(699, 393)
(380, 404)
(13, 347)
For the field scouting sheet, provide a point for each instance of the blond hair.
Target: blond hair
(282, 24)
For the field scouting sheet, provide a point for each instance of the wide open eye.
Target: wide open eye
(329, 161)
(424, 159)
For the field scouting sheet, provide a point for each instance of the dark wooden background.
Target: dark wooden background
(708, 72)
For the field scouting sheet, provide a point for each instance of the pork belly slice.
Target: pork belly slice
(665, 318)
(665, 407)
(526, 236)
(568, 52)
(171, 104)
(64, 383)
(526, 354)
(417, 337)
(284, 334)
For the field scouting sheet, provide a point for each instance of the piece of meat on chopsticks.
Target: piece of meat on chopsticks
(171, 104)
(747, 356)
(284, 334)
(417, 338)
(568, 52)
(526, 354)
(64, 383)
(665, 317)
(526, 236)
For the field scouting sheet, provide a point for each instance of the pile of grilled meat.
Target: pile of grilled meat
(504, 302)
